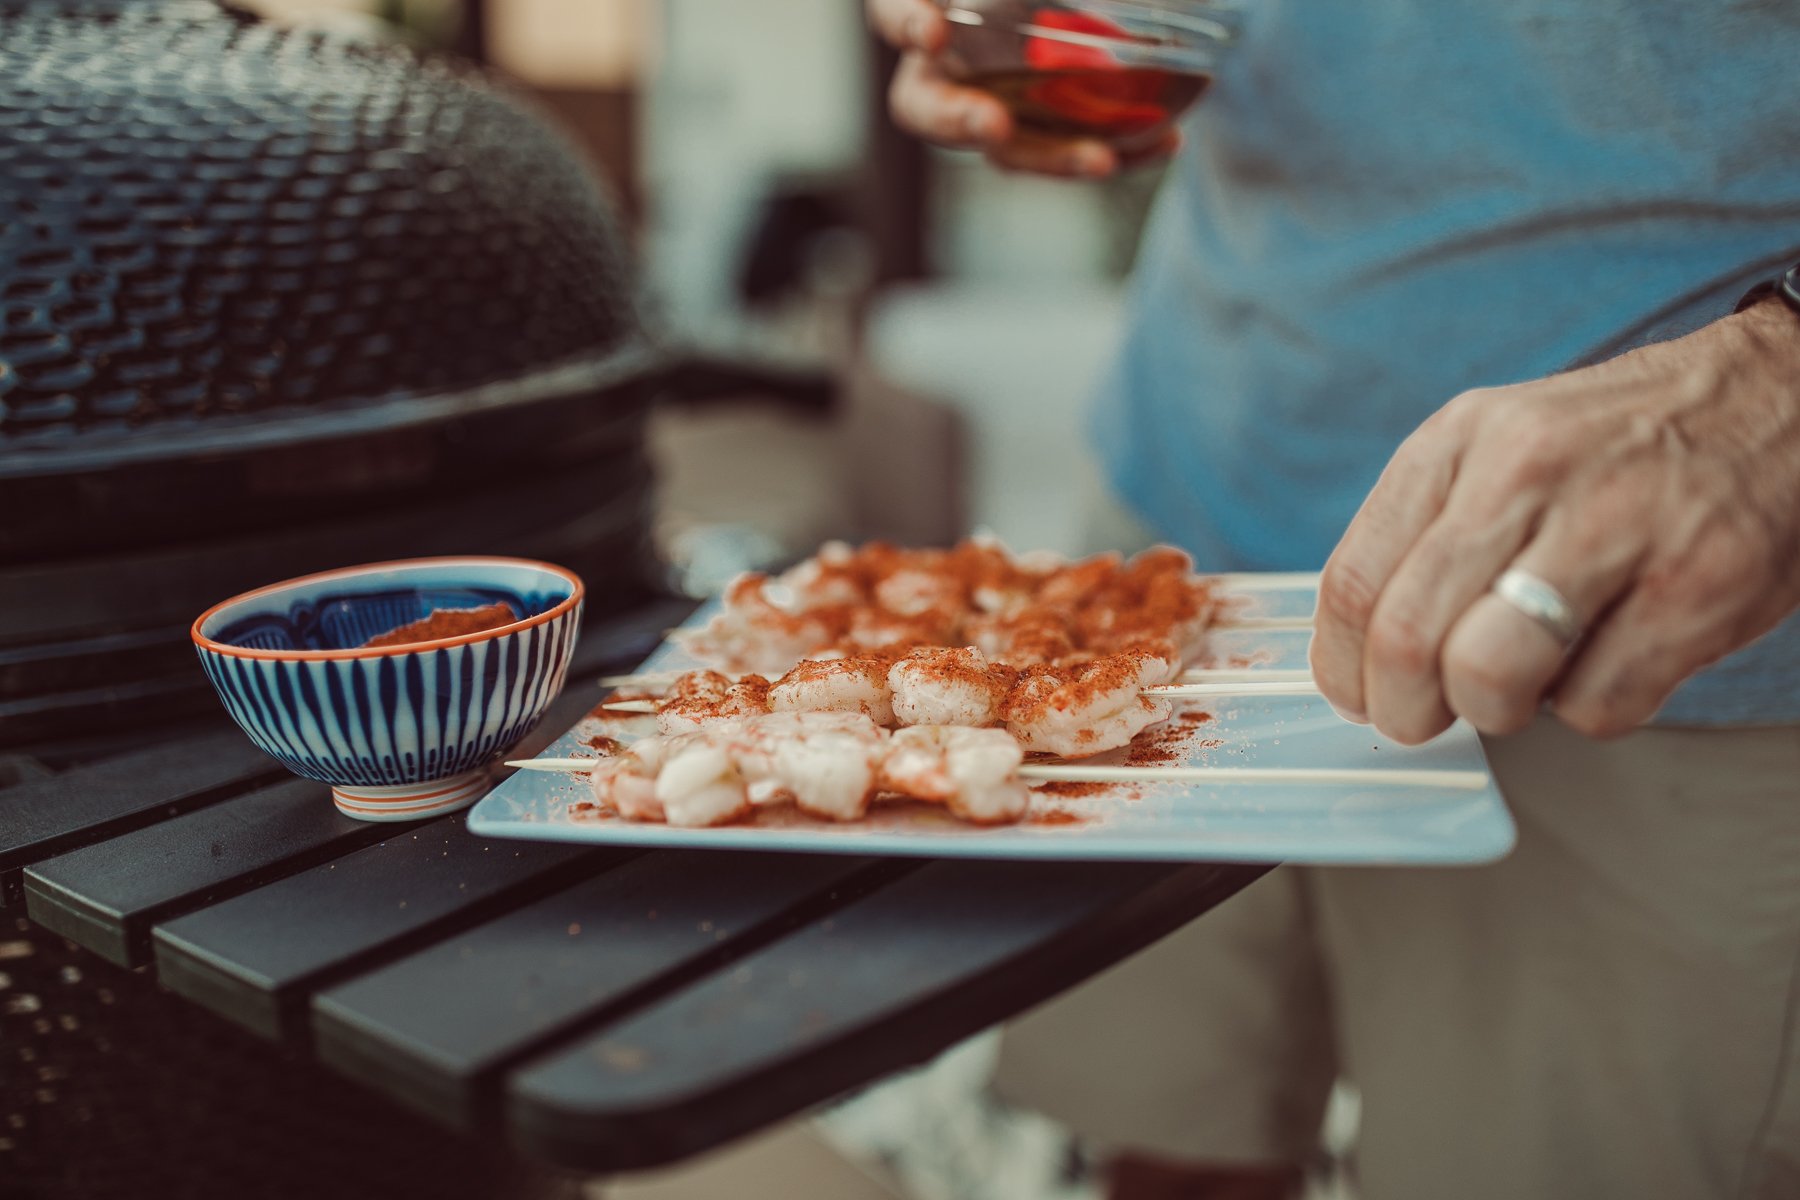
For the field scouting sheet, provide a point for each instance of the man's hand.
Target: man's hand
(1658, 492)
(928, 103)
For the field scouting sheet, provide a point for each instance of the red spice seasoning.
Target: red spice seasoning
(881, 597)
(1073, 788)
(1195, 718)
(445, 623)
(603, 744)
(1152, 755)
(1044, 688)
(965, 668)
(1054, 816)
(703, 695)
(1159, 745)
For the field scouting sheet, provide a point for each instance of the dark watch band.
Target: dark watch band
(1787, 287)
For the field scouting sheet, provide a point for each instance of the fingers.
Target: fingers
(1072, 158)
(1076, 158)
(925, 102)
(929, 104)
(1498, 664)
(1405, 501)
(909, 24)
(1446, 571)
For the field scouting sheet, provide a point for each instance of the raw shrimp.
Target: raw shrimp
(827, 578)
(1167, 661)
(836, 685)
(997, 582)
(1078, 713)
(700, 785)
(626, 782)
(876, 629)
(825, 760)
(1070, 586)
(1025, 610)
(1154, 596)
(1029, 636)
(916, 591)
(753, 633)
(688, 779)
(949, 687)
(972, 772)
(699, 699)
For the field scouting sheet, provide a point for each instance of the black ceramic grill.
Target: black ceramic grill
(277, 300)
(206, 216)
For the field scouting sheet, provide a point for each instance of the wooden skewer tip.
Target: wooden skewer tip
(1266, 581)
(630, 706)
(1247, 688)
(1078, 773)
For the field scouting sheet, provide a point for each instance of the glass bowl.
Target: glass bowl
(1122, 71)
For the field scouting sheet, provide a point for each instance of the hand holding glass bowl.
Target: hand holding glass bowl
(1078, 87)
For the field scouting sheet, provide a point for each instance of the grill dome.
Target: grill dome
(203, 216)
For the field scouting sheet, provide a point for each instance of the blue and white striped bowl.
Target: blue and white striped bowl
(399, 732)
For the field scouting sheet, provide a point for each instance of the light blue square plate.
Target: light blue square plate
(1335, 824)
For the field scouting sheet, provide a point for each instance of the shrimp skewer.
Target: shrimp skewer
(1076, 711)
(835, 765)
(1100, 707)
(831, 765)
(1207, 675)
(1084, 773)
(1026, 610)
(972, 772)
(836, 685)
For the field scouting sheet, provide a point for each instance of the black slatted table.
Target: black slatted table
(591, 1008)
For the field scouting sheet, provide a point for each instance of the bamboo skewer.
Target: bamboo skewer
(1305, 622)
(642, 679)
(1371, 776)
(1294, 687)
(1075, 773)
(632, 706)
(1248, 687)
(1192, 675)
(1266, 581)
(1222, 621)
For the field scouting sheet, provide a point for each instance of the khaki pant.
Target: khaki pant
(1610, 1011)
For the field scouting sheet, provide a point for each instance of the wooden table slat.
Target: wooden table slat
(255, 957)
(884, 983)
(599, 1008)
(106, 896)
(46, 818)
(432, 1029)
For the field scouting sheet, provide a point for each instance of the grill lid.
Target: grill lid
(211, 225)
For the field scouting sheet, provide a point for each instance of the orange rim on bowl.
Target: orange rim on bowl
(577, 593)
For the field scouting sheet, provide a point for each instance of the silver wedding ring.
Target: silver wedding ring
(1542, 603)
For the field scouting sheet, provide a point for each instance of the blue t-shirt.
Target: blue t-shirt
(1385, 203)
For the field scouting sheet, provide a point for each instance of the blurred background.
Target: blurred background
(930, 326)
